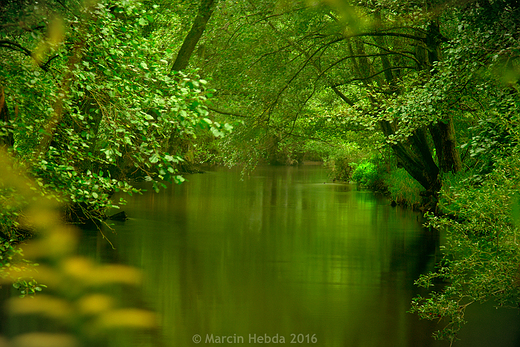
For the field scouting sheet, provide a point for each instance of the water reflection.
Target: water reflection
(283, 252)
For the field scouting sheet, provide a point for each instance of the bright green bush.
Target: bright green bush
(365, 173)
(370, 173)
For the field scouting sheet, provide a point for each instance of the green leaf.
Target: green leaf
(179, 179)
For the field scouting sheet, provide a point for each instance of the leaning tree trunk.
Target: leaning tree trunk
(443, 135)
(7, 139)
(442, 132)
(197, 29)
(415, 157)
(415, 154)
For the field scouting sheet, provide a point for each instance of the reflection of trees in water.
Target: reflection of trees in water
(338, 263)
(237, 280)
(412, 258)
(194, 318)
(408, 256)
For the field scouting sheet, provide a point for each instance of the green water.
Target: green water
(282, 256)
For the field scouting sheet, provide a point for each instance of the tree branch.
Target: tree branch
(15, 47)
(19, 48)
(342, 96)
(394, 52)
(226, 112)
(408, 36)
(268, 54)
(354, 56)
(373, 75)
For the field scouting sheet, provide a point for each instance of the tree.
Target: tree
(480, 206)
(206, 8)
(91, 102)
(369, 54)
(430, 75)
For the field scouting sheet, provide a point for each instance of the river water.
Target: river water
(286, 257)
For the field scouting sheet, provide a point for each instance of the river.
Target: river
(284, 256)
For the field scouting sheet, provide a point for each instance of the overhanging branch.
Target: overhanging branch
(15, 47)
(19, 48)
(408, 36)
(354, 56)
(228, 113)
(373, 75)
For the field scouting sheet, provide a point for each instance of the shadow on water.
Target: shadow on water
(282, 254)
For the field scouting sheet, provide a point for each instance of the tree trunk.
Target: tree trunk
(415, 154)
(7, 139)
(197, 29)
(443, 135)
(442, 132)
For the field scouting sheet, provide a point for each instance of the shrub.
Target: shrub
(481, 256)
(365, 173)
(370, 173)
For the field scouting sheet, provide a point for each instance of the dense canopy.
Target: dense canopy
(417, 99)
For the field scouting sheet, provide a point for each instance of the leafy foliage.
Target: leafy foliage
(438, 79)
(102, 108)
(481, 253)
(369, 173)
